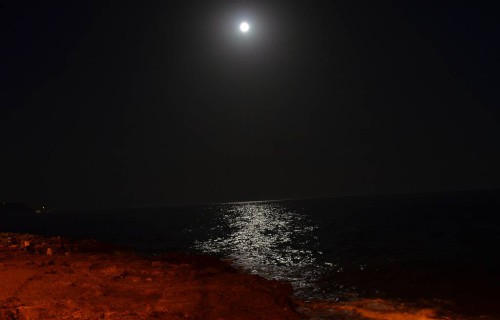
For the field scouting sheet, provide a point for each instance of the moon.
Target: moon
(244, 27)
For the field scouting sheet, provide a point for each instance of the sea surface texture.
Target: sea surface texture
(429, 246)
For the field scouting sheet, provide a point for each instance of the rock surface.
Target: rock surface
(87, 280)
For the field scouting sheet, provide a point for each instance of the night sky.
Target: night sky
(138, 103)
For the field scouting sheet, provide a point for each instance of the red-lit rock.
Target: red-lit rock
(98, 282)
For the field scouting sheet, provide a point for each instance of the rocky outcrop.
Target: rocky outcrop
(15, 208)
(88, 280)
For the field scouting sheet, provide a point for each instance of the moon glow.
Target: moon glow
(244, 27)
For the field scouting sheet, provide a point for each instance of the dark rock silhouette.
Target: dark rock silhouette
(15, 208)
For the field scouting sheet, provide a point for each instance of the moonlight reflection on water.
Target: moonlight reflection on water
(266, 239)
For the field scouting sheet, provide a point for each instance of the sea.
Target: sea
(440, 246)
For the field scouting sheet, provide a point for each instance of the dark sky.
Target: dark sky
(131, 103)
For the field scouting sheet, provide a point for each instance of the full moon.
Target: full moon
(244, 27)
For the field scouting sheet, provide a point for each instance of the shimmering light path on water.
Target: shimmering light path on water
(267, 239)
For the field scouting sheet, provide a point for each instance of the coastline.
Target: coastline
(60, 278)
(81, 279)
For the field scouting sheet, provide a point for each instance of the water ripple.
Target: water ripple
(267, 239)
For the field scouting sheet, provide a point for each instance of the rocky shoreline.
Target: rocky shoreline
(60, 278)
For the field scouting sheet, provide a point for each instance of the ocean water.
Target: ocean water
(436, 246)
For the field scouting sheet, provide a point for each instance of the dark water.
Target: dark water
(427, 246)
